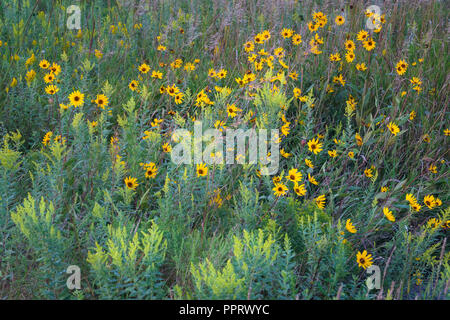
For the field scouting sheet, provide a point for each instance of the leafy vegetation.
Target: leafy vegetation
(87, 120)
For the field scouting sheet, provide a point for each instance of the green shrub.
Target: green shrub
(128, 267)
(258, 269)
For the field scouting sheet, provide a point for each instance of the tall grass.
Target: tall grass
(225, 235)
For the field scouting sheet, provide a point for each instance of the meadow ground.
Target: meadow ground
(92, 92)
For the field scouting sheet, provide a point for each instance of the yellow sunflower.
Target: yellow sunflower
(294, 175)
(364, 259)
(44, 64)
(388, 214)
(49, 77)
(133, 85)
(76, 98)
(167, 147)
(300, 189)
(340, 20)
(314, 146)
(150, 170)
(144, 68)
(51, 89)
(202, 170)
(131, 183)
(369, 44)
(320, 201)
(393, 128)
(101, 101)
(279, 189)
(349, 226)
(401, 67)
